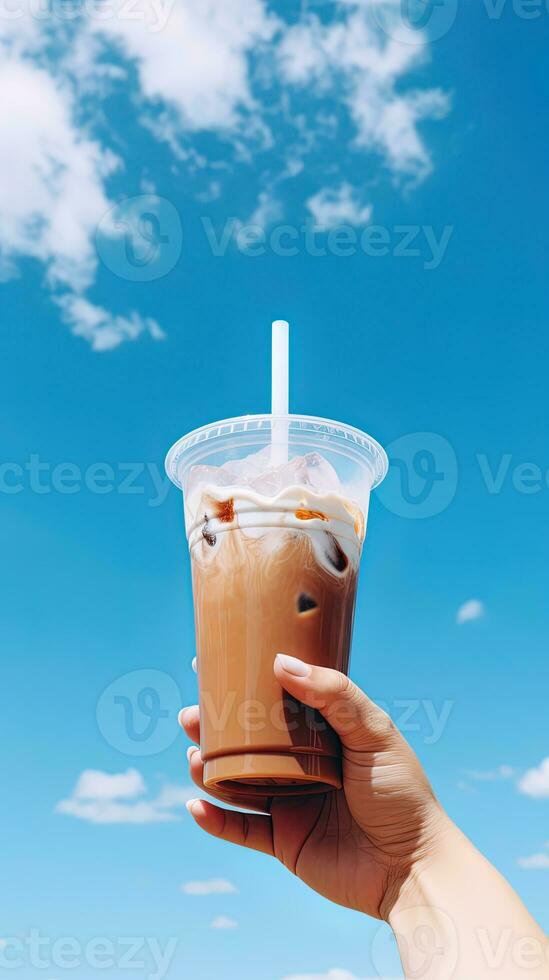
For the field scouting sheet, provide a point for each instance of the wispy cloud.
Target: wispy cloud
(349, 56)
(223, 922)
(536, 862)
(196, 61)
(535, 782)
(338, 206)
(469, 611)
(102, 329)
(267, 210)
(232, 88)
(490, 775)
(214, 886)
(53, 200)
(114, 798)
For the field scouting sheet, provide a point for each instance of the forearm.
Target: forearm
(458, 918)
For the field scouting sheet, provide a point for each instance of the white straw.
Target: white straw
(280, 390)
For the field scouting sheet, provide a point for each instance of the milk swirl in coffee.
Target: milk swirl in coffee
(275, 554)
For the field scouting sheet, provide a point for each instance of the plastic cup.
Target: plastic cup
(275, 558)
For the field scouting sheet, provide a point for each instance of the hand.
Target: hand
(359, 846)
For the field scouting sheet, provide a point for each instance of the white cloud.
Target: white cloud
(102, 329)
(223, 922)
(354, 60)
(338, 206)
(267, 210)
(194, 56)
(215, 886)
(535, 782)
(104, 798)
(469, 611)
(392, 126)
(490, 775)
(53, 198)
(269, 93)
(536, 862)
(93, 784)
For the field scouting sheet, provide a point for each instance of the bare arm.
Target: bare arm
(384, 846)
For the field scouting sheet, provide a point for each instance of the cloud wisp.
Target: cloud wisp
(490, 775)
(535, 782)
(213, 886)
(118, 798)
(223, 922)
(234, 90)
(469, 611)
(339, 206)
(536, 862)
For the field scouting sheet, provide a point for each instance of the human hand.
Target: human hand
(359, 846)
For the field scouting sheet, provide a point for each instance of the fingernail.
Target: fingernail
(293, 666)
(194, 665)
(191, 750)
(190, 803)
(181, 716)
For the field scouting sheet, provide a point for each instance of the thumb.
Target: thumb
(359, 722)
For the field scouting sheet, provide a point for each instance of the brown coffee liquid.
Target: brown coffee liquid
(259, 592)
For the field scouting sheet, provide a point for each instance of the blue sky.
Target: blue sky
(128, 144)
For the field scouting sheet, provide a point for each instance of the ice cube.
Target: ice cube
(311, 470)
(320, 474)
(204, 476)
(274, 479)
(243, 471)
(256, 471)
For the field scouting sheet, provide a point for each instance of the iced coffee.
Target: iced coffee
(275, 551)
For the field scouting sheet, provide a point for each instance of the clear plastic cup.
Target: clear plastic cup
(276, 511)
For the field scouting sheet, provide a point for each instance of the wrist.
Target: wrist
(411, 884)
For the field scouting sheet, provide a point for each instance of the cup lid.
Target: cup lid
(254, 430)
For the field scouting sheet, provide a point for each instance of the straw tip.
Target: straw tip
(280, 324)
